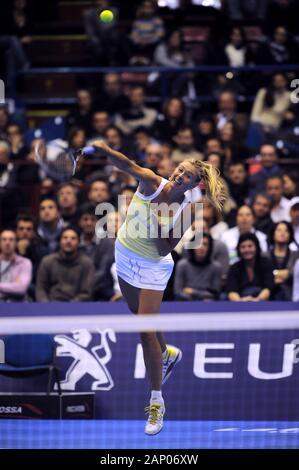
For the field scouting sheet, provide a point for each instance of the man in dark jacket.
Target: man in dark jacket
(67, 275)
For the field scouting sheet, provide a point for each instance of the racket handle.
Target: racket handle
(89, 150)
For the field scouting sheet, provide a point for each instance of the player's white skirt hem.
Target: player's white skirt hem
(142, 272)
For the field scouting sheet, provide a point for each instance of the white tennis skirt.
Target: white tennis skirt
(142, 272)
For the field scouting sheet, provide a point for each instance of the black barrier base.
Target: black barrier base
(47, 406)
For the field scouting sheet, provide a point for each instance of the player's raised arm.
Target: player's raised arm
(125, 164)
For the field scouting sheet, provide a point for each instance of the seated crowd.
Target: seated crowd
(248, 252)
(51, 233)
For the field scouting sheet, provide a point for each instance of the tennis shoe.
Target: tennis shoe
(173, 356)
(154, 422)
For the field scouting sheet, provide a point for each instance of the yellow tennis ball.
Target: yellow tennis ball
(106, 16)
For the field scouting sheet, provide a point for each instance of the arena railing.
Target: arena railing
(165, 73)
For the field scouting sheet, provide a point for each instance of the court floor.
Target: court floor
(101, 434)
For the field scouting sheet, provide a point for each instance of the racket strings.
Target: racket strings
(64, 164)
(58, 163)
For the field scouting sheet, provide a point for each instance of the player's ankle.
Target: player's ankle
(156, 396)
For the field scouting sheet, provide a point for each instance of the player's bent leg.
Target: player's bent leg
(131, 294)
(149, 303)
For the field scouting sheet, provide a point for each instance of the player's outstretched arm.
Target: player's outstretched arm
(125, 164)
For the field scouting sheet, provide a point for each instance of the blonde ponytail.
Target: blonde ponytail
(214, 185)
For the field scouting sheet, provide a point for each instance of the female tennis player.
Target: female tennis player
(144, 264)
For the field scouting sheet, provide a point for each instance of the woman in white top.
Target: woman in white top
(143, 260)
(235, 50)
(271, 104)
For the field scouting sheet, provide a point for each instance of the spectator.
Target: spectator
(213, 145)
(126, 196)
(219, 251)
(235, 50)
(147, 31)
(271, 104)
(261, 208)
(27, 175)
(257, 53)
(294, 215)
(238, 184)
(106, 284)
(185, 146)
(290, 185)
(227, 112)
(29, 244)
(47, 189)
(141, 139)
(81, 115)
(68, 203)
(115, 139)
(216, 159)
(204, 130)
(87, 225)
(106, 46)
(153, 156)
(100, 123)
(99, 191)
(50, 224)
(165, 167)
(167, 149)
(269, 167)
(280, 205)
(172, 119)
(173, 53)
(244, 224)
(15, 138)
(9, 198)
(110, 96)
(282, 260)
(214, 219)
(230, 139)
(65, 276)
(227, 106)
(15, 270)
(100, 251)
(76, 137)
(295, 297)
(137, 114)
(280, 49)
(251, 278)
(198, 277)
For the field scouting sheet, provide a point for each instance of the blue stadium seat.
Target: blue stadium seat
(52, 128)
(29, 355)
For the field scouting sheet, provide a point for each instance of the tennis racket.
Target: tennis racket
(58, 162)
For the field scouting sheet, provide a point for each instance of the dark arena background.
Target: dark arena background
(162, 82)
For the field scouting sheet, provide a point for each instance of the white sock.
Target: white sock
(164, 354)
(156, 397)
